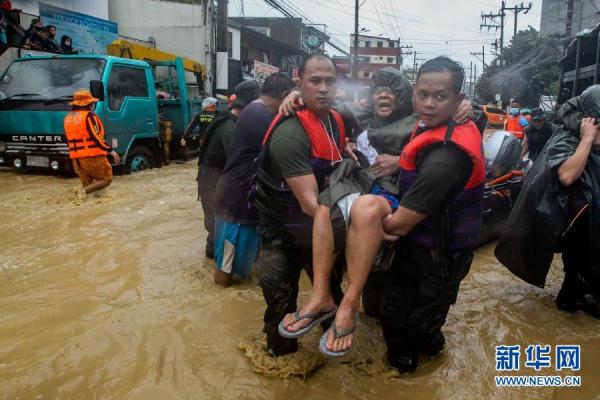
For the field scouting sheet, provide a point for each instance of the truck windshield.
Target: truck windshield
(49, 78)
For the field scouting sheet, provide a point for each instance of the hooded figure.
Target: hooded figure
(546, 211)
(386, 136)
(402, 88)
(66, 45)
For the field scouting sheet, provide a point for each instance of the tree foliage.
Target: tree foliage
(527, 69)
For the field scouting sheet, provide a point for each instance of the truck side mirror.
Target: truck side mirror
(97, 89)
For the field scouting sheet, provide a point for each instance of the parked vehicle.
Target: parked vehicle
(504, 177)
(34, 98)
(495, 116)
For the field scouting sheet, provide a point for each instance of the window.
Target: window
(379, 44)
(229, 44)
(125, 82)
(368, 43)
(50, 78)
(392, 45)
(366, 74)
(390, 60)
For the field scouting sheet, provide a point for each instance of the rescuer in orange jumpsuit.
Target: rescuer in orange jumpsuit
(87, 147)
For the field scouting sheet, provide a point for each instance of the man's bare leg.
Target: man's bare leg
(323, 264)
(223, 278)
(97, 185)
(364, 239)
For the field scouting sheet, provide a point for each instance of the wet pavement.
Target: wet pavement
(110, 298)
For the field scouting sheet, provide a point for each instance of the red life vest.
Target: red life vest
(513, 126)
(466, 208)
(321, 143)
(81, 144)
(278, 207)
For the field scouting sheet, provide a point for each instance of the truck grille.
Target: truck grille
(36, 148)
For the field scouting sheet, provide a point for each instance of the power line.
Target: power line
(281, 8)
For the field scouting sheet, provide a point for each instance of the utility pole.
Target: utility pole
(482, 58)
(355, 52)
(482, 54)
(516, 9)
(474, 82)
(471, 80)
(415, 66)
(221, 78)
(489, 21)
(400, 51)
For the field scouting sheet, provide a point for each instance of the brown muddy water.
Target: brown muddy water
(111, 299)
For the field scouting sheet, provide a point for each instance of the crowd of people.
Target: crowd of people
(43, 38)
(388, 193)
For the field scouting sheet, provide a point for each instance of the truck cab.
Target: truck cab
(35, 93)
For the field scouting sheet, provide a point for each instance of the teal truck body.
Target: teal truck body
(34, 98)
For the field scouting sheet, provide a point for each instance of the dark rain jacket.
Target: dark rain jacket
(387, 136)
(541, 214)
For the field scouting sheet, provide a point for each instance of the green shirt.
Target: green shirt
(289, 151)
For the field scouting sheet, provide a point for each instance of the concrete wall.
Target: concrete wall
(554, 17)
(179, 28)
(585, 15)
(95, 8)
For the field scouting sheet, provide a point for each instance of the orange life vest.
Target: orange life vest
(81, 144)
(513, 126)
(465, 209)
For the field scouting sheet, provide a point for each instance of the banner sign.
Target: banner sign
(262, 70)
(89, 34)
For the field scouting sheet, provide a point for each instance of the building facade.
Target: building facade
(96, 8)
(374, 53)
(272, 44)
(179, 28)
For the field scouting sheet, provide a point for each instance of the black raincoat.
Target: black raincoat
(541, 217)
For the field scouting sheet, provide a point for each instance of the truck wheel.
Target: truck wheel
(140, 158)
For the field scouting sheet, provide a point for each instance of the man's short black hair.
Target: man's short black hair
(445, 64)
(276, 84)
(48, 27)
(313, 57)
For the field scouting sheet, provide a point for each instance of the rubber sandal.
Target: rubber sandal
(344, 332)
(317, 318)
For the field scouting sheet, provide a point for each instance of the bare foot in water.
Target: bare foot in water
(315, 305)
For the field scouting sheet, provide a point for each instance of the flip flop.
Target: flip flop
(317, 318)
(344, 332)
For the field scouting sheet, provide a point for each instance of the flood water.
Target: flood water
(110, 298)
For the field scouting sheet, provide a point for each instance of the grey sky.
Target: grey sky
(432, 27)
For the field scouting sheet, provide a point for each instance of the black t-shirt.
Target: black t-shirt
(537, 138)
(216, 146)
(231, 198)
(442, 172)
